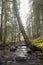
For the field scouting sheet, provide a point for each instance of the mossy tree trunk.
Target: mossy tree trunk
(20, 23)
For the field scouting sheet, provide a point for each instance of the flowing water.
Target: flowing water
(32, 59)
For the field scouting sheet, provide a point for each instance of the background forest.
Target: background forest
(13, 31)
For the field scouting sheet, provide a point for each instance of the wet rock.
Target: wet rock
(13, 49)
(20, 58)
(1, 62)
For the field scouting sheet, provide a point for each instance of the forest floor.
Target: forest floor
(37, 42)
(33, 59)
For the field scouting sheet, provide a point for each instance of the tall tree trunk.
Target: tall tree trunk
(42, 22)
(1, 21)
(5, 25)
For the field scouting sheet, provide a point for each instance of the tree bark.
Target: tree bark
(5, 25)
(1, 21)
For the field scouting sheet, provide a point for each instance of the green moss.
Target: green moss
(38, 42)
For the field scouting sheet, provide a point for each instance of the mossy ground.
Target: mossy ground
(38, 42)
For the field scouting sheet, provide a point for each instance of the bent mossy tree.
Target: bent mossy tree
(27, 41)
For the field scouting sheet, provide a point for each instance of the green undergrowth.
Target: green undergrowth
(38, 42)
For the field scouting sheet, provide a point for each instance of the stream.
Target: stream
(9, 57)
